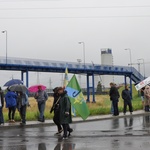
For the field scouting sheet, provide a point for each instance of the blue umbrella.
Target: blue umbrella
(13, 81)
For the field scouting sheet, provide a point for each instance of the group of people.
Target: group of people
(19, 100)
(14, 100)
(61, 108)
(62, 111)
(114, 97)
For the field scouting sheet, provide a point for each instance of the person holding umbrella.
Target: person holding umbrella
(41, 97)
(1, 106)
(11, 103)
(22, 103)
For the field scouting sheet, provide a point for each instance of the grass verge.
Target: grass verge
(101, 107)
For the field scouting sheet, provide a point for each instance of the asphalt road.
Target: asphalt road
(129, 133)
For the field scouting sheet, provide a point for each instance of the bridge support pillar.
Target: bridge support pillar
(22, 79)
(88, 92)
(125, 80)
(27, 77)
(88, 89)
(131, 87)
(93, 89)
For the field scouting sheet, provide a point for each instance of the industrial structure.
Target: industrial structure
(25, 66)
(106, 59)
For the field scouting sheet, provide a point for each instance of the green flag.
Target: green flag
(76, 97)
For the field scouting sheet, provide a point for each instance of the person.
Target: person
(65, 112)
(11, 103)
(147, 97)
(114, 97)
(1, 107)
(142, 97)
(41, 146)
(55, 108)
(22, 103)
(126, 96)
(41, 97)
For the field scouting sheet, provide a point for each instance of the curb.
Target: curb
(32, 124)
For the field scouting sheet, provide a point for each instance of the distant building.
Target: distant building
(106, 59)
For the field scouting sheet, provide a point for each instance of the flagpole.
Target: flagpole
(83, 51)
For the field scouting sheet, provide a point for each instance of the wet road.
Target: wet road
(130, 133)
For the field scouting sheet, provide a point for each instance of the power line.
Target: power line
(101, 7)
(83, 17)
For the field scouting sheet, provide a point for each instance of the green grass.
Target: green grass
(101, 107)
(104, 108)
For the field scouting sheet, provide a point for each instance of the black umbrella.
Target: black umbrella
(18, 88)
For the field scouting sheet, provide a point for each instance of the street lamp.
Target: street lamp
(143, 66)
(83, 51)
(139, 64)
(130, 57)
(79, 61)
(5, 31)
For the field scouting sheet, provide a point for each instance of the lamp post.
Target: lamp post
(83, 52)
(79, 61)
(130, 56)
(139, 67)
(5, 31)
(143, 66)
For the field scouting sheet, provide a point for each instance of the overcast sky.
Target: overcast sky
(52, 29)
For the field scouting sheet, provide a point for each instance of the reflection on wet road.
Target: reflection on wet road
(130, 133)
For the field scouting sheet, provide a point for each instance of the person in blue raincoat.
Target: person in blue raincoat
(11, 103)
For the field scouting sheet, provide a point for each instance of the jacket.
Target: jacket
(2, 98)
(22, 100)
(42, 96)
(10, 99)
(65, 107)
(114, 94)
(126, 95)
(147, 94)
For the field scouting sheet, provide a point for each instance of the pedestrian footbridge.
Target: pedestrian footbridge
(26, 65)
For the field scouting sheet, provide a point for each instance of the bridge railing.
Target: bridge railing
(63, 64)
(96, 68)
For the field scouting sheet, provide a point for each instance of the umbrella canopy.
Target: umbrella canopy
(13, 81)
(35, 88)
(18, 88)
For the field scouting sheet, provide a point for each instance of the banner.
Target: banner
(66, 80)
(142, 83)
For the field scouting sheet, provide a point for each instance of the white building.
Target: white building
(106, 59)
